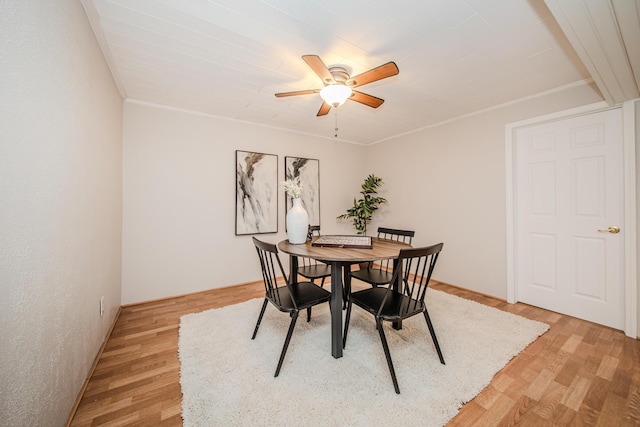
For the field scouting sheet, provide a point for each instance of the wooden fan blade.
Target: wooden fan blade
(319, 68)
(324, 109)
(382, 72)
(363, 98)
(297, 92)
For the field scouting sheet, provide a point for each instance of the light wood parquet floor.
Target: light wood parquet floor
(577, 374)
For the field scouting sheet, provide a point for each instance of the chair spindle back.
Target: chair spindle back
(415, 267)
(404, 236)
(268, 254)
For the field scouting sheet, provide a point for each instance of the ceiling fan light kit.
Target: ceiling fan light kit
(335, 94)
(339, 85)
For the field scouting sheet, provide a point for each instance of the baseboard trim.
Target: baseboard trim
(470, 290)
(134, 304)
(72, 414)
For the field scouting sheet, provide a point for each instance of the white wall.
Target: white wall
(60, 207)
(448, 183)
(179, 197)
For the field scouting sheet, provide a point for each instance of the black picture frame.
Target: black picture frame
(256, 193)
(309, 172)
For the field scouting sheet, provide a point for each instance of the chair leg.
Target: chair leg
(322, 283)
(346, 289)
(308, 314)
(346, 324)
(385, 346)
(433, 335)
(294, 317)
(264, 306)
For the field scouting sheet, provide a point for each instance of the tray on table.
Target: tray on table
(356, 242)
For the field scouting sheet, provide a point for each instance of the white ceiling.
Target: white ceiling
(229, 57)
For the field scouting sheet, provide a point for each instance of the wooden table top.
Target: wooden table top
(382, 249)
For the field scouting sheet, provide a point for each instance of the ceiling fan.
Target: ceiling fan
(338, 84)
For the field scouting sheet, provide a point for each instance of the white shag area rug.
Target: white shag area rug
(227, 378)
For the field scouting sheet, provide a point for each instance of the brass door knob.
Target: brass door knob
(613, 230)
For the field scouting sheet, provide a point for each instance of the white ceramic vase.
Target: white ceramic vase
(297, 223)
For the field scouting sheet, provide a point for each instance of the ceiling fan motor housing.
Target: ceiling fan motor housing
(339, 73)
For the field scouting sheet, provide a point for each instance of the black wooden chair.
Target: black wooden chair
(415, 267)
(380, 273)
(289, 298)
(310, 268)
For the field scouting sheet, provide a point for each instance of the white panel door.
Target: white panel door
(569, 191)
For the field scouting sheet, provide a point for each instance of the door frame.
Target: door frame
(630, 291)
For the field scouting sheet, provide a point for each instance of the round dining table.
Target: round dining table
(340, 259)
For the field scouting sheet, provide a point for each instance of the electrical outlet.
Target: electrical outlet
(101, 306)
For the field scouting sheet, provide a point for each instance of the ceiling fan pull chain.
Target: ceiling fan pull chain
(336, 129)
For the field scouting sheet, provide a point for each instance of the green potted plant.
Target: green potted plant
(363, 208)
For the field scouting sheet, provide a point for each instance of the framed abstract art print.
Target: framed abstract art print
(256, 193)
(309, 172)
